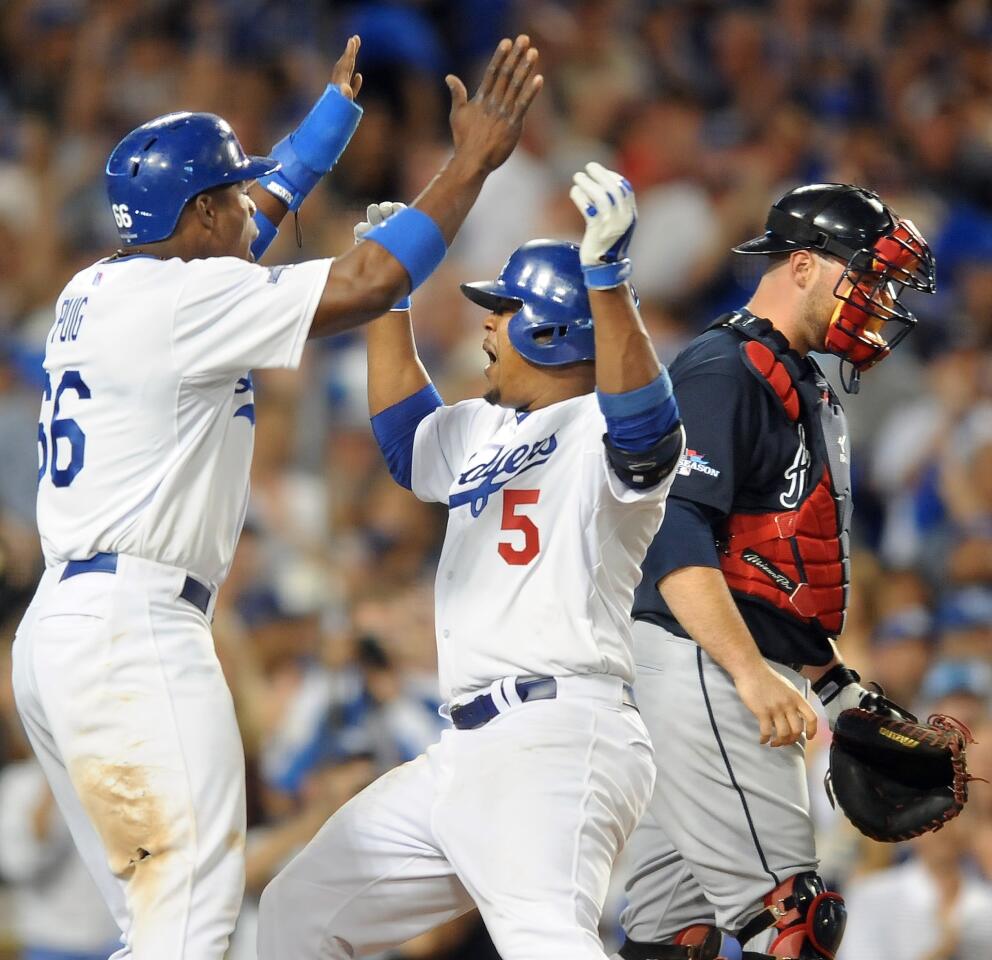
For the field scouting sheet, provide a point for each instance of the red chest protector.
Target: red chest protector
(796, 557)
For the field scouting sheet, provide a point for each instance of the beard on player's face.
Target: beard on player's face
(820, 303)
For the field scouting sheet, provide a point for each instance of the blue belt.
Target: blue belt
(478, 712)
(192, 592)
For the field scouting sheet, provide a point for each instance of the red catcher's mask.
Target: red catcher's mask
(869, 290)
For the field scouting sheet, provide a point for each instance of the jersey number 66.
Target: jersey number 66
(64, 429)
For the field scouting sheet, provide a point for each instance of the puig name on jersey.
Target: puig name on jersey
(496, 472)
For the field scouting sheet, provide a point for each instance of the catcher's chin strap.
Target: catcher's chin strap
(696, 942)
(809, 919)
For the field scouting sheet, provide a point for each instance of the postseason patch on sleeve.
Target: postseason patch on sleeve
(695, 462)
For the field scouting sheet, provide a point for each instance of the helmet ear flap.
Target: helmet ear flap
(550, 341)
(521, 330)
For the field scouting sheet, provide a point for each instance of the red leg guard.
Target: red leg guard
(696, 942)
(709, 942)
(810, 919)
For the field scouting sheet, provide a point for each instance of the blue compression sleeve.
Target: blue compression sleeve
(638, 419)
(313, 148)
(415, 240)
(266, 234)
(396, 426)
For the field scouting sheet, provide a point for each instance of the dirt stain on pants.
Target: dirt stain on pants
(137, 833)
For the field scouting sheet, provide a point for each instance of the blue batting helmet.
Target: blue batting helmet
(159, 167)
(543, 282)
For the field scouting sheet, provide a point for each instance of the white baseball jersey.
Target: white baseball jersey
(543, 546)
(147, 422)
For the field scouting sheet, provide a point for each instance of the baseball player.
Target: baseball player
(554, 482)
(145, 442)
(745, 587)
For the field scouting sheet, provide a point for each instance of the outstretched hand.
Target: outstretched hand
(486, 128)
(343, 73)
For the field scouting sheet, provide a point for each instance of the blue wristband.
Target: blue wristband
(403, 304)
(266, 234)
(606, 276)
(293, 181)
(326, 130)
(313, 148)
(415, 240)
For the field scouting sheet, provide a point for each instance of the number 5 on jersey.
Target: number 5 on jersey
(513, 500)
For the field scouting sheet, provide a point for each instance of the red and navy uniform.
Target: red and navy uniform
(763, 492)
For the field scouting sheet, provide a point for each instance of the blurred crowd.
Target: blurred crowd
(712, 109)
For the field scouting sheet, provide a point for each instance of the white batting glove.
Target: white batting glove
(606, 201)
(376, 214)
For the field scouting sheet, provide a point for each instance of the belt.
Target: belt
(478, 712)
(192, 592)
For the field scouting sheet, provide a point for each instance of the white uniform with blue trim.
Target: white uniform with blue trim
(145, 441)
(522, 815)
(543, 546)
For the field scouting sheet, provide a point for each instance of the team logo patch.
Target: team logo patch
(495, 473)
(796, 472)
(693, 460)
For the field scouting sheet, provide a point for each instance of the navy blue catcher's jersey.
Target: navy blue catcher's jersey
(742, 455)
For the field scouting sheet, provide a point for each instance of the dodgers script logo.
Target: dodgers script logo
(495, 473)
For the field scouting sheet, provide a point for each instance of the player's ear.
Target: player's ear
(802, 265)
(205, 210)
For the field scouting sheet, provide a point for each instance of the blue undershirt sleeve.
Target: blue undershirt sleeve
(638, 419)
(395, 429)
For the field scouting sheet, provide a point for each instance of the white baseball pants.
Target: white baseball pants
(729, 819)
(523, 816)
(123, 699)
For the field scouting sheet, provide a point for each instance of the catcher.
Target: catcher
(744, 591)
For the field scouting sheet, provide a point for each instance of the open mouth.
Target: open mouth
(490, 354)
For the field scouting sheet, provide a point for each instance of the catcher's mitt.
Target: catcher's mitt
(896, 778)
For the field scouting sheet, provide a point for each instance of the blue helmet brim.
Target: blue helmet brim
(492, 295)
(259, 167)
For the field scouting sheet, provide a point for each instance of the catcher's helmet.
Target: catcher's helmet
(543, 282)
(160, 166)
(883, 255)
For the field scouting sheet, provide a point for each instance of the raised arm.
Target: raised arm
(401, 394)
(394, 368)
(401, 254)
(625, 356)
(643, 431)
(311, 150)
